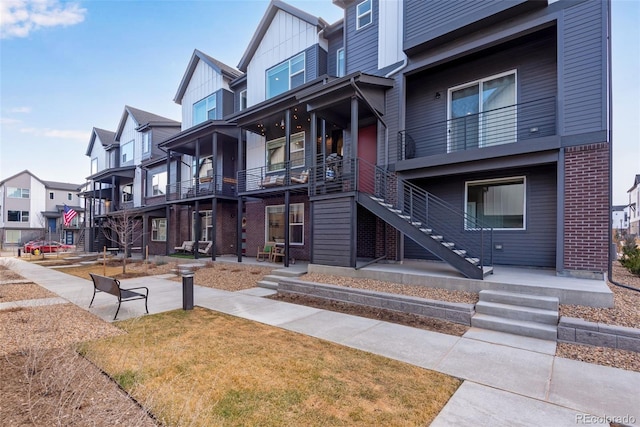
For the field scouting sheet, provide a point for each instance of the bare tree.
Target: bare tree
(126, 229)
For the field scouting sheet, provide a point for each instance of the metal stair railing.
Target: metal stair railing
(427, 212)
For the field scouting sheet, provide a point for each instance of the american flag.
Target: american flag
(69, 214)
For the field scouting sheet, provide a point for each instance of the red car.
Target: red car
(45, 246)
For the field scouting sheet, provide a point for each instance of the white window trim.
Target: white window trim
(243, 95)
(283, 140)
(146, 145)
(156, 228)
(288, 62)
(266, 222)
(161, 191)
(122, 151)
(94, 161)
(497, 181)
(22, 193)
(479, 83)
(360, 15)
(344, 61)
(21, 215)
(207, 107)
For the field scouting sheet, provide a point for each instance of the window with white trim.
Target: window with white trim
(17, 193)
(127, 193)
(69, 196)
(243, 99)
(286, 76)
(274, 226)
(340, 63)
(18, 216)
(204, 110)
(94, 165)
(276, 153)
(497, 203)
(51, 195)
(126, 152)
(159, 229)
(12, 236)
(146, 144)
(206, 225)
(364, 15)
(158, 183)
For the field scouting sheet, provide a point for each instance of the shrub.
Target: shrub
(631, 255)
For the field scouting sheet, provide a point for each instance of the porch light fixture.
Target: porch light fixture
(437, 95)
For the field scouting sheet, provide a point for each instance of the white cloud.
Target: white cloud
(6, 121)
(20, 110)
(79, 135)
(19, 17)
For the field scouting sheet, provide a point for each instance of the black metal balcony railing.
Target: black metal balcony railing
(216, 185)
(274, 176)
(511, 124)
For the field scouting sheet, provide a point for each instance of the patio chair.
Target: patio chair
(277, 253)
(204, 247)
(187, 246)
(264, 252)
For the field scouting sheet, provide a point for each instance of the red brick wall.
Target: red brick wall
(586, 207)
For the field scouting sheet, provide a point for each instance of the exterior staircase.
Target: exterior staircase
(271, 281)
(452, 236)
(521, 314)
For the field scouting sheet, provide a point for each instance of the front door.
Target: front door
(51, 225)
(368, 152)
(68, 237)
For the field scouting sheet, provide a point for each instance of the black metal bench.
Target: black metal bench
(112, 286)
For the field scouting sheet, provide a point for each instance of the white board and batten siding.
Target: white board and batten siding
(204, 81)
(37, 201)
(98, 152)
(129, 133)
(286, 36)
(390, 32)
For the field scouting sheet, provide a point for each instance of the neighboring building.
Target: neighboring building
(32, 208)
(119, 181)
(620, 218)
(634, 207)
(471, 132)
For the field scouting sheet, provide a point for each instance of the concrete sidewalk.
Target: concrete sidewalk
(509, 380)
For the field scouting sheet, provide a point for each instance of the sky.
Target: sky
(69, 66)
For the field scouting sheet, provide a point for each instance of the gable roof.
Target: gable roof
(106, 138)
(20, 173)
(636, 182)
(62, 185)
(142, 118)
(222, 68)
(263, 26)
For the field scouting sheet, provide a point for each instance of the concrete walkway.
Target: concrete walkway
(509, 380)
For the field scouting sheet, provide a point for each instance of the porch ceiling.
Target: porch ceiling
(185, 142)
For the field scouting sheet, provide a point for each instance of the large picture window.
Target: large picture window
(158, 183)
(126, 152)
(204, 110)
(159, 229)
(17, 193)
(276, 151)
(364, 17)
(497, 203)
(285, 76)
(18, 216)
(274, 227)
(127, 193)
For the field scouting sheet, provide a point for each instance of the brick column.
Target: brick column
(586, 209)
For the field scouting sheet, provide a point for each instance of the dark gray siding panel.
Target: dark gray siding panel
(159, 134)
(535, 246)
(311, 62)
(533, 58)
(335, 43)
(584, 68)
(426, 20)
(224, 103)
(332, 231)
(361, 45)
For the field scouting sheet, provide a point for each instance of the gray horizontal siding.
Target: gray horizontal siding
(331, 230)
(583, 62)
(533, 247)
(335, 43)
(236, 95)
(361, 45)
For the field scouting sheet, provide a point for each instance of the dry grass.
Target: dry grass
(204, 368)
(23, 291)
(229, 277)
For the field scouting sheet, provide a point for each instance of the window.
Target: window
(51, 195)
(275, 152)
(340, 63)
(364, 16)
(127, 193)
(12, 236)
(482, 113)
(94, 165)
(497, 203)
(274, 227)
(243, 100)
(146, 144)
(158, 183)
(204, 110)
(206, 225)
(285, 76)
(127, 152)
(159, 230)
(17, 193)
(69, 196)
(18, 216)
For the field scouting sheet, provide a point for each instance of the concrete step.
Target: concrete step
(526, 300)
(514, 312)
(517, 327)
(267, 284)
(287, 272)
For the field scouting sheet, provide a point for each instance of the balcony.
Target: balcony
(272, 179)
(209, 186)
(519, 123)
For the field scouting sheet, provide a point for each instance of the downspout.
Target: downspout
(402, 66)
(610, 101)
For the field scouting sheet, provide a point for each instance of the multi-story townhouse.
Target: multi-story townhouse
(634, 207)
(119, 179)
(477, 134)
(32, 208)
(620, 218)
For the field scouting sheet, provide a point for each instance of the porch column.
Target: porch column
(214, 163)
(198, 227)
(323, 149)
(214, 226)
(239, 215)
(113, 193)
(314, 138)
(287, 209)
(196, 173)
(167, 191)
(287, 146)
(353, 171)
(167, 242)
(354, 127)
(145, 233)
